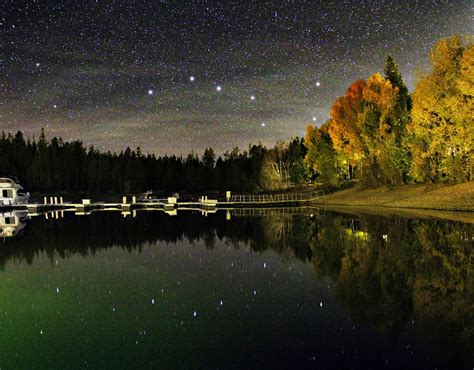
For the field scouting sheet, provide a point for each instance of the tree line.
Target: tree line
(56, 165)
(380, 134)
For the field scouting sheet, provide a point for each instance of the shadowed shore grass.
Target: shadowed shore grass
(458, 197)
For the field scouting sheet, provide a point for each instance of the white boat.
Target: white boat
(12, 193)
(12, 223)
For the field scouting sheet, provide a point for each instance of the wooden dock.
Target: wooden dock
(169, 205)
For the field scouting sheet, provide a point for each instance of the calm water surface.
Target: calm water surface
(274, 291)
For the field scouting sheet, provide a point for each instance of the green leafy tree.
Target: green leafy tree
(320, 156)
(397, 153)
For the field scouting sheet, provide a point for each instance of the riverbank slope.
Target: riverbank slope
(459, 197)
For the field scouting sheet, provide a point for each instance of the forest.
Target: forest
(377, 134)
(69, 166)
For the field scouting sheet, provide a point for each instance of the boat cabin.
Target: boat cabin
(12, 193)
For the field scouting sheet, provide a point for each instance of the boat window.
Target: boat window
(9, 220)
(7, 193)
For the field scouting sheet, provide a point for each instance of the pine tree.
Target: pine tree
(209, 158)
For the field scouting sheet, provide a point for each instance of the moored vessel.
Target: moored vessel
(11, 192)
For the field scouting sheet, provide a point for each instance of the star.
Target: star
(219, 88)
(150, 92)
(318, 84)
(252, 97)
(55, 106)
(192, 78)
(263, 124)
(314, 119)
(37, 64)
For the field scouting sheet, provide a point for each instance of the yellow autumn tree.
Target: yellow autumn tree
(442, 115)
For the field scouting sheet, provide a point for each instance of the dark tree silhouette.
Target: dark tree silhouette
(55, 165)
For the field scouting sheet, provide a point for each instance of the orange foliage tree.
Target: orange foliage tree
(362, 128)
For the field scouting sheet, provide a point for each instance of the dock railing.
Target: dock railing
(275, 198)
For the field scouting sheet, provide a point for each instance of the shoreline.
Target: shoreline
(453, 202)
(450, 202)
(455, 198)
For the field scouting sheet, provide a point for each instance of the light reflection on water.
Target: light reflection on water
(274, 291)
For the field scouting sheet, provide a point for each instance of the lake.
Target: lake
(289, 289)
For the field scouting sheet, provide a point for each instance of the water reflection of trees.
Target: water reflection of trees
(390, 269)
(88, 234)
(387, 270)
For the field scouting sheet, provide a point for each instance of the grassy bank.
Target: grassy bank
(458, 197)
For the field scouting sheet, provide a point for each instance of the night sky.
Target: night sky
(175, 76)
